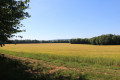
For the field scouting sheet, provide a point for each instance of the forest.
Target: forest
(108, 39)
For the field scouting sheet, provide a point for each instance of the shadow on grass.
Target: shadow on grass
(11, 69)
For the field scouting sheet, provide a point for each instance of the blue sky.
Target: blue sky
(66, 19)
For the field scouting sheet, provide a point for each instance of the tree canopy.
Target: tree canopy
(11, 14)
(108, 39)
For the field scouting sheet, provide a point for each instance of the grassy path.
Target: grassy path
(36, 62)
(20, 68)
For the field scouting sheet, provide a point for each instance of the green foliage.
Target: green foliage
(11, 13)
(100, 40)
(79, 41)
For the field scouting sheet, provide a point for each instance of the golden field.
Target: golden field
(99, 62)
(66, 49)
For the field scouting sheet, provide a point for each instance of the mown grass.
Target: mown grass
(99, 62)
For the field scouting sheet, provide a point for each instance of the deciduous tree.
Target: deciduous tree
(11, 14)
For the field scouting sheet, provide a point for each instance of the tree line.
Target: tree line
(79, 41)
(108, 39)
(38, 41)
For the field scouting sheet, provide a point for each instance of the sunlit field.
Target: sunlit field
(67, 49)
(99, 62)
(105, 55)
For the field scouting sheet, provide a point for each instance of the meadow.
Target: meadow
(98, 62)
(106, 55)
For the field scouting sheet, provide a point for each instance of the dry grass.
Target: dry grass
(112, 51)
(81, 53)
